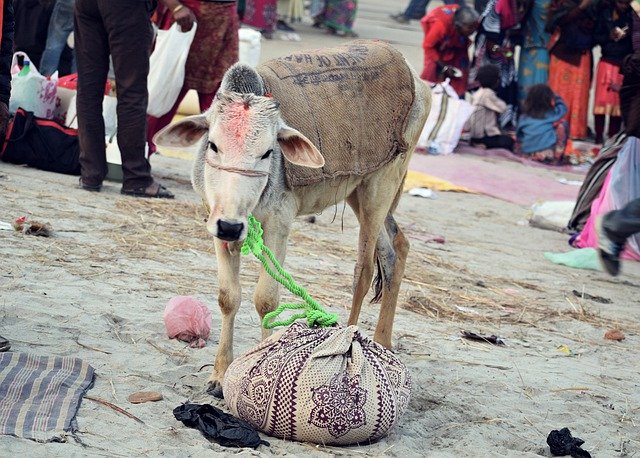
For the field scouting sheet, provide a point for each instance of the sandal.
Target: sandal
(154, 190)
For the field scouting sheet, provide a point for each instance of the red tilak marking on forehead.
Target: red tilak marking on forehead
(236, 125)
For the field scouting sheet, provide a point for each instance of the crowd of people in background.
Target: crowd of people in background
(556, 41)
(527, 43)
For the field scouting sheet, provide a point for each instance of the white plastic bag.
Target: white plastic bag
(552, 215)
(166, 68)
(446, 120)
(109, 105)
(249, 46)
(30, 90)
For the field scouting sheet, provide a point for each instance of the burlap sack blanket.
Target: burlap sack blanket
(320, 385)
(351, 101)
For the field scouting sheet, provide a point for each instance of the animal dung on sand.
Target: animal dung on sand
(321, 385)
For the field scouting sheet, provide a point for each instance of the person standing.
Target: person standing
(123, 29)
(7, 27)
(534, 56)
(60, 27)
(337, 17)
(571, 25)
(263, 15)
(214, 49)
(615, 227)
(613, 34)
(446, 44)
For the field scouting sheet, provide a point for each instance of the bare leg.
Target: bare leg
(229, 301)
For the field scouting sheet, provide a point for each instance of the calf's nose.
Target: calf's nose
(228, 231)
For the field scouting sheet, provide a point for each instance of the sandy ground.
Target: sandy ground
(98, 287)
(97, 290)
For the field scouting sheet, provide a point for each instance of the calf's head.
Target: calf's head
(245, 134)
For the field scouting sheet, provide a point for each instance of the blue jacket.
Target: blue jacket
(537, 134)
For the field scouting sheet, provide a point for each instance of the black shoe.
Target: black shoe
(90, 187)
(400, 18)
(5, 345)
(608, 250)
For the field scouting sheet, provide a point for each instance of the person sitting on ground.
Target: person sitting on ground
(446, 44)
(541, 132)
(483, 123)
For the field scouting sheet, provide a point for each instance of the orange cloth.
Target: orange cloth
(443, 44)
(608, 84)
(572, 83)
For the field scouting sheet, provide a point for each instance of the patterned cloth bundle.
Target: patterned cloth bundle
(321, 385)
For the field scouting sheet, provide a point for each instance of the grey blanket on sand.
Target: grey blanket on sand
(352, 102)
(40, 395)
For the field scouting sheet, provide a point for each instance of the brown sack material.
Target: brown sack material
(319, 385)
(351, 101)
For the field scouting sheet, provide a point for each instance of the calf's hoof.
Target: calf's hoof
(214, 388)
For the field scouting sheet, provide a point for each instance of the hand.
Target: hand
(615, 87)
(4, 119)
(451, 72)
(584, 4)
(618, 34)
(185, 18)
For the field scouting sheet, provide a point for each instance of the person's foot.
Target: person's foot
(5, 345)
(154, 190)
(282, 25)
(608, 250)
(400, 18)
(89, 187)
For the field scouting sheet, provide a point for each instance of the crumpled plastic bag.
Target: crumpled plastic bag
(584, 258)
(188, 319)
(218, 426)
(562, 443)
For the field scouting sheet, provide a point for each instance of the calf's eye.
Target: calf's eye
(213, 147)
(267, 154)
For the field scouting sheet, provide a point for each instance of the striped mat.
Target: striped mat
(40, 395)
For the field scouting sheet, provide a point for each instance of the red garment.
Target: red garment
(444, 45)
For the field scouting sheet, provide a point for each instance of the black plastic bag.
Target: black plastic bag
(562, 443)
(218, 426)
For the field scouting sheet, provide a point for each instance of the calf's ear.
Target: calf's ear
(183, 133)
(298, 149)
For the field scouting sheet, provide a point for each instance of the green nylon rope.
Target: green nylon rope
(312, 311)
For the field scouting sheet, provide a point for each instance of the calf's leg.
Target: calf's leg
(229, 296)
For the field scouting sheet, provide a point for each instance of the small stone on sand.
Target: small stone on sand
(144, 396)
